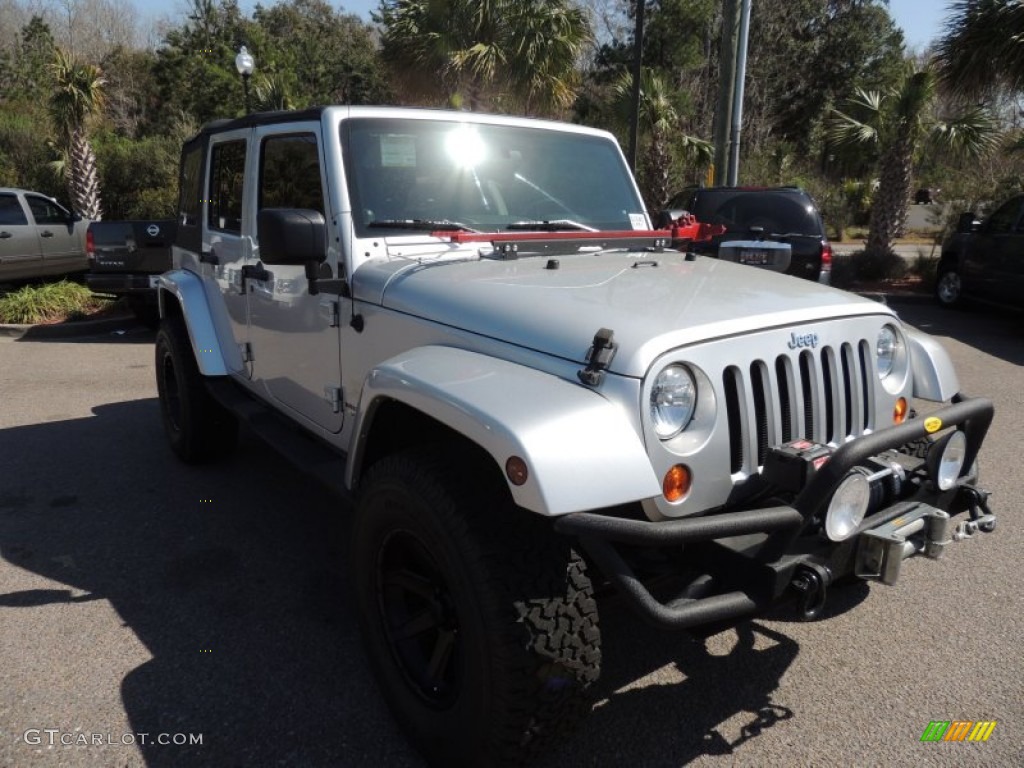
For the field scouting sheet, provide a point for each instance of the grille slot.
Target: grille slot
(821, 395)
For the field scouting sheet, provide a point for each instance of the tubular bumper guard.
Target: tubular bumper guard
(882, 541)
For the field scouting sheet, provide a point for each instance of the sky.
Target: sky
(920, 20)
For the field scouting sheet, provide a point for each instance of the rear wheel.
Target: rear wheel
(198, 428)
(478, 620)
(948, 286)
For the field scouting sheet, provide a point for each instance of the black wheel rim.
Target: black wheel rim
(949, 287)
(419, 619)
(171, 392)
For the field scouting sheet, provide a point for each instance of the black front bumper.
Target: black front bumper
(753, 558)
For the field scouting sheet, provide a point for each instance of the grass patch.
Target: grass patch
(50, 303)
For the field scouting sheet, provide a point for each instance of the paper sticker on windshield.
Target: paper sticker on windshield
(397, 151)
(638, 221)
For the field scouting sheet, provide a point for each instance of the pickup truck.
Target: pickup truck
(38, 237)
(466, 324)
(124, 259)
(983, 261)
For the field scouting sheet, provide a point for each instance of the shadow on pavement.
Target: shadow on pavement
(995, 332)
(233, 577)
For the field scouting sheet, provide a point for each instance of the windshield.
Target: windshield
(430, 174)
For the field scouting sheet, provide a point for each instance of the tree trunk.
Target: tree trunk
(889, 212)
(84, 183)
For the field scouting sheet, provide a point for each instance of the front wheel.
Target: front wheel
(478, 620)
(949, 286)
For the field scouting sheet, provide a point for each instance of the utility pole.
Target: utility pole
(726, 86)
(638, 63)
(737, 104)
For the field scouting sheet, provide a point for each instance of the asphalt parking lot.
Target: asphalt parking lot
(139, 596)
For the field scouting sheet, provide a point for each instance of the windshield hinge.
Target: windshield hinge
(599, 357)
(246, 350)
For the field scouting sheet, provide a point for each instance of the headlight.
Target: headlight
(885, 350)
(673, 399)
(848, 505)
(950, 452)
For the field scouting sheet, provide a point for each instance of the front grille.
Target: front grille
(821, 395)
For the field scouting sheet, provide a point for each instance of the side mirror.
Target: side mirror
(295, 236)
(967, 223)
(665, 217)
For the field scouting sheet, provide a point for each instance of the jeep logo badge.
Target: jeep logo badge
(798, 340)
(152, 230)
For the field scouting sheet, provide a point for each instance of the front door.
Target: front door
(294, 336)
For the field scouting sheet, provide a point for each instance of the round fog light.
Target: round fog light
(951, 460)
(848, 506)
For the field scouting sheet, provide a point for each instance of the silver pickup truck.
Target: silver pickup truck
(39, 237)
(466, 323)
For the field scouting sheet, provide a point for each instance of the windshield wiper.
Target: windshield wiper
(554, 225)
(421, 225)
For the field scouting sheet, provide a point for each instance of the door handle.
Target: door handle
(5, 235)
(46, 233)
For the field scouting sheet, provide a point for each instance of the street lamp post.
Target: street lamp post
(245, 64)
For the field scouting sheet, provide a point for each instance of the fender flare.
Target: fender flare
(187, 289)
(934, 374)
(580, 449)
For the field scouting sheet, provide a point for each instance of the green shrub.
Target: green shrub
(49, 303)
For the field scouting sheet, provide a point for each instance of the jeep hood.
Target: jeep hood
(653, 302)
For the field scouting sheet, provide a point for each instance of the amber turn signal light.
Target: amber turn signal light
(677, 482)
(899, 413)
(516, 471)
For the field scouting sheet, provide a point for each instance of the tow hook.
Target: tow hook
(811, 581)
(982, 518)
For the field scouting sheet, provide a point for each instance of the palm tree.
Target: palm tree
(482, 51)
(659, 120)
(983, 47)
(77, 98)
(896, 124)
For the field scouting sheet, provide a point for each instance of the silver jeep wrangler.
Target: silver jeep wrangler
(467, 323)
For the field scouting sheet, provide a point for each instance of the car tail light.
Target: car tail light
(90, 245)
(826, 263)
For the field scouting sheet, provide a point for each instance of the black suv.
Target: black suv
(780, 214)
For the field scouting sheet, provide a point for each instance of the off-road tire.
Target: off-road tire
(198, 428)
(439, 547)
(948, 287)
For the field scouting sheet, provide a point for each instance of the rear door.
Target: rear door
(225, 248)
(295, 336)
(20, 255)
(59, 238)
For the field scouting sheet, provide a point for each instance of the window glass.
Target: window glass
(45, 211)
(290, 173)
(484, 176)
(1005, 216)
(11, 211)
(191, 187)
(227, 174)
(775, 212)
